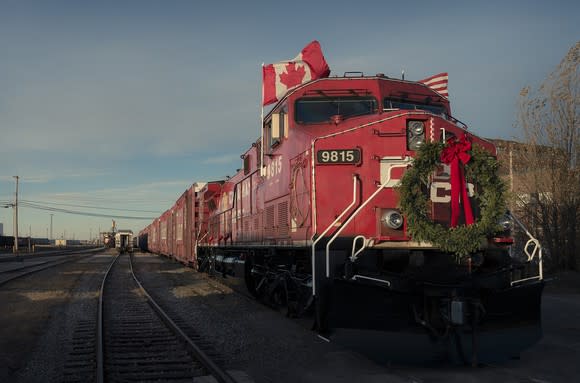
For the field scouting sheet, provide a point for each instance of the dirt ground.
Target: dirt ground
(27, 306)
(34, 304)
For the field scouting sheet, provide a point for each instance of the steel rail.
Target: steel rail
(218, 373)
(100, 348)
(38, 267)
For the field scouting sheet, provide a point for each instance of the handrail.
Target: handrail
(354, 199)
(353, 255)
(357, 276)
(536, 251)
(356, 212)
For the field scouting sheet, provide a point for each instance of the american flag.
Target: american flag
(438, 83)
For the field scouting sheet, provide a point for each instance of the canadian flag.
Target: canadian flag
(438, 83)
(278, 78)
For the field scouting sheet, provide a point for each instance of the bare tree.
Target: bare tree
(549, 119)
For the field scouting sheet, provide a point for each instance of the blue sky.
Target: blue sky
(116, 107)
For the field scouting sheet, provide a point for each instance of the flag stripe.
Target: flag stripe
(438, 83)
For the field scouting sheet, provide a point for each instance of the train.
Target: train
(318, 222)
(124, 241)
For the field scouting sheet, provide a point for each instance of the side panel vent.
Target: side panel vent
(283, 226)
(269, 221)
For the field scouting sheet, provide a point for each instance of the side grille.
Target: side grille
(269, 222)
(283, 226)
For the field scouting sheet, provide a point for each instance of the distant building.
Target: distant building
(1, 229)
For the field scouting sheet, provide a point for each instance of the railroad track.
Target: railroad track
(24, 270)
(136, 339)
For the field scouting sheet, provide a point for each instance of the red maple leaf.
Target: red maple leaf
(293, 75)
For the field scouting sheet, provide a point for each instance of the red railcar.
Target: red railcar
(179, 228)
(312, 220)
(163, 235)
(153, 239)
(185, 220)
(143, 238)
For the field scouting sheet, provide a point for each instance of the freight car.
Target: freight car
(326, 217)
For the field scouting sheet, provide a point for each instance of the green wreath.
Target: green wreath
(482, 171)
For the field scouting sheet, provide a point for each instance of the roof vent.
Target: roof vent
(353, 74)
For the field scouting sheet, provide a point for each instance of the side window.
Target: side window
(275, 130)
(282, 124)
(246, 164)
(259, 155)
(268, 133)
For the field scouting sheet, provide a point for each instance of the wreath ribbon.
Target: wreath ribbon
(454, 154)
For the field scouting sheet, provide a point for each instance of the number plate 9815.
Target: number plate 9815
(338, 156)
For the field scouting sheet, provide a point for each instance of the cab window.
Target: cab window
(312, 110)
(390, 104)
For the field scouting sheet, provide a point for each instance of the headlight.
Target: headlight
(416, 143)
(416, 127)
(505, 223)
(392, 219)
(415, 134)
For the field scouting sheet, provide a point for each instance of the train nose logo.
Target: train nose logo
(441, 191)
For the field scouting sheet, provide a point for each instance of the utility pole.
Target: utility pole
(51, 227)
(16, 217)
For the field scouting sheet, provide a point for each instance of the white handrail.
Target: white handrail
(353, 255)
(536, 251)
(355, 277)
(354, 198)
(379, 189)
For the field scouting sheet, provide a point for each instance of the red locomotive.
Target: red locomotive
(312, 221)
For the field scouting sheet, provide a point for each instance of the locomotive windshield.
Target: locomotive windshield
(390, 104)
(317, 109)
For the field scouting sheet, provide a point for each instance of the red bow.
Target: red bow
(454, 153)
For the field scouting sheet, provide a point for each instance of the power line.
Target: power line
(90, 207)
(87, 214)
